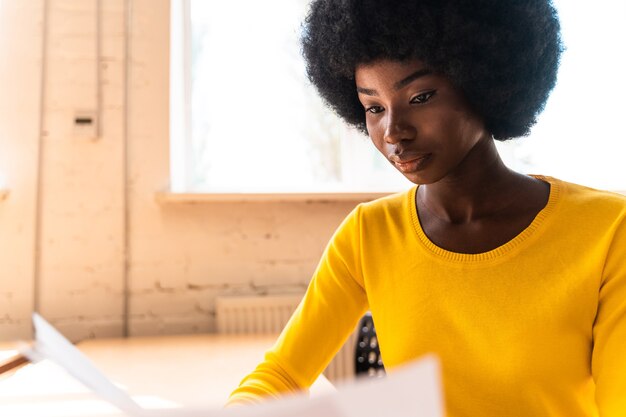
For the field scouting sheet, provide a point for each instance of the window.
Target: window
(580, 136)
(253, 122)
(245, 119)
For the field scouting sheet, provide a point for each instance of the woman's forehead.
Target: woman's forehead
(391, 73)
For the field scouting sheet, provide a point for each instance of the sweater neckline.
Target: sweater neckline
(500, 251)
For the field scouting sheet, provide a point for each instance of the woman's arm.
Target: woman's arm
(609, 332)
(327, 315)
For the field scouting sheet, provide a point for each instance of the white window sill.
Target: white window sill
(169, 197)
(4, 193)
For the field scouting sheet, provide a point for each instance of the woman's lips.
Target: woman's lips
(412, 165)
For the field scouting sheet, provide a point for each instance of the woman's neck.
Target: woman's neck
(480, 186)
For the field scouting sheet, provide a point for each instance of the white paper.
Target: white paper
(412, 391)
(50, 344)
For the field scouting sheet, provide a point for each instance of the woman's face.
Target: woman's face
(417, 119)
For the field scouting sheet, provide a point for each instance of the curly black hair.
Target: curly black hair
(503, 54)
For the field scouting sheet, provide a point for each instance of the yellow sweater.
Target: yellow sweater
(534, 328)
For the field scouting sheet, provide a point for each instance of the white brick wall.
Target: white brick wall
(180, 256)
(82, 227)
(20, 74)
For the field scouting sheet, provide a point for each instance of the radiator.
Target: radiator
(269, 314)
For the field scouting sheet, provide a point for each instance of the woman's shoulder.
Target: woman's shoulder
(578, 201)
(584, 195)
(397, 201)
(393, 209)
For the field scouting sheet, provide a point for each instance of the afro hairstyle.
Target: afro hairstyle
(503, 54)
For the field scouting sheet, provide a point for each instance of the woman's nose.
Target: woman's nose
(397, 129)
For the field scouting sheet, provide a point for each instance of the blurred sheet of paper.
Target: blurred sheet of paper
(411, 391)
(50, 344)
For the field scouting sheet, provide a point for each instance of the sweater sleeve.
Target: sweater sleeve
(609, 333)
(334, 302)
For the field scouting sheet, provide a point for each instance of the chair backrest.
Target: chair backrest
(368, 360)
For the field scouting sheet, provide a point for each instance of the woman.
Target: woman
(516, 282)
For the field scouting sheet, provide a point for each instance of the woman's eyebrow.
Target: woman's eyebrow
(398, 85)
(408, 80)
(366, 91)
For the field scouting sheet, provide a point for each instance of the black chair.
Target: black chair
(368, 364)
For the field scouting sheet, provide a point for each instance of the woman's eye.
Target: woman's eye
(423, 97)
(374, 109)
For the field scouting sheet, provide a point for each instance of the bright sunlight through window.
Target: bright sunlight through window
(580, 136)
(245, 119)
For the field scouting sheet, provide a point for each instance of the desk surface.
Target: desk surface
(194, 371)
(9, 357)
(7, 352)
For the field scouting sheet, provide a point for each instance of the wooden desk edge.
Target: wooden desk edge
(12, 363)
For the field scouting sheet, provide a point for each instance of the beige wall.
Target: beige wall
(70, 243)
(20, 74)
